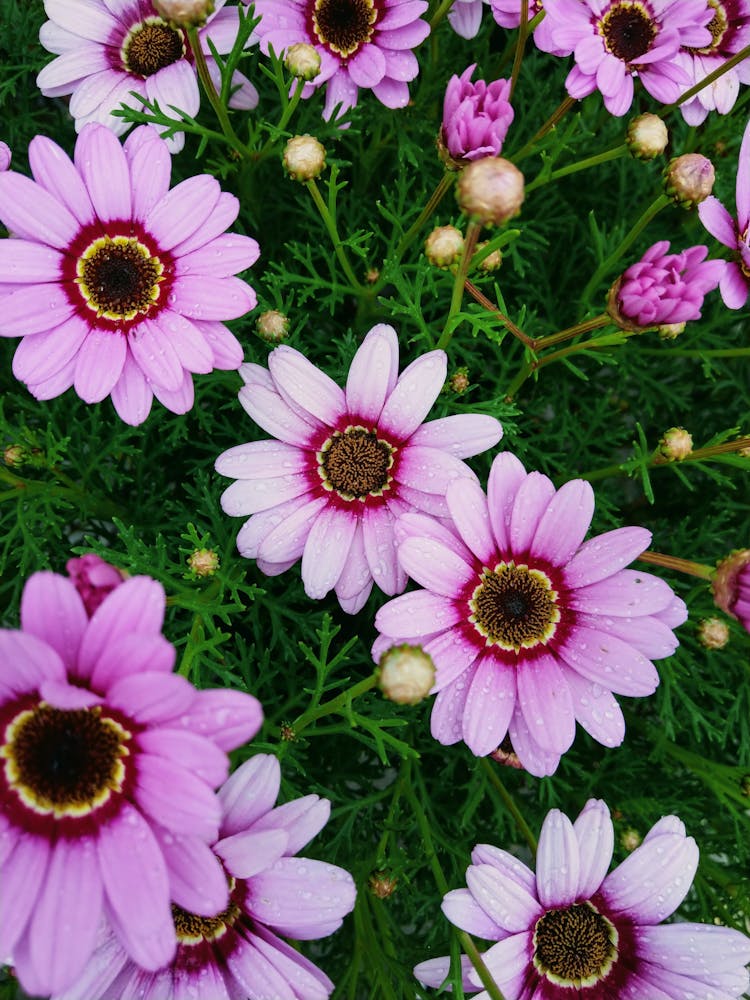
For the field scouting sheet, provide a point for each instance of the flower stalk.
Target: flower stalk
(210, 91)
(330, 223)
(701, 570)
(472, 235)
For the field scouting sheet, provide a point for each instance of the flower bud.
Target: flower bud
(630, 839)
(459, 381)
(302, 60)
(444, 246)
(5, 156)
(730, 585)
(647, 136)
(490, 190)
(676, 444)
(94, 579)
(381, 884)
(184, 13)
(371, 275)
(406, 674)
(304, 157)
(492, 262)
(713, 633)
(671, 331)
(272, 326)
(507, 756)
(203, 562)
(14, 456)
(689, 179)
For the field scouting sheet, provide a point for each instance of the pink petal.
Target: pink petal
(249, 793)
(275, 897)
(99, 364)
(182, 211)
(506, 476)
(469, 510)
(34, 309)
(597, 710)
(23, 875)
(197, 754)
(150, 697)
(52, 610)
(650, 883)
(380, 549)
(251, 496)
(222, 257)
(131, 394)
(175, 798)
(101, 162)
(503, 899)
(367, 68)
(32, 213)
(204, 297)
(430, 470)
(356, 576)
(26, 262)
(266, 407)
(534, 758)
(417, 613)
(546, 703)
(605, 554)
(434, 566)
(454, 652)
(608, 661)
(43, 355)
(196, 878)
(463, 435)
(372, 373)
(154, 354)
(564, 523)
(26, 662)
(301, 382)
(557, 862)
(326, 550)
(718, 221)
(301, 820)
(250, 852)
(596, 839)
(489, 706)
(178, 400)
(228, 718)
(186, 341)
(150, 168)
(463, 911)
(627, 594)
(743, 183)
(53, 169)
(734, 286)
(531, 500)
(415, 392)
(446, 721)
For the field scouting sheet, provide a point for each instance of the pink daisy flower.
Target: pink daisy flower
(730, 33)
(476, 118)
(465, 17)
(361, 43)
(734, 233)
(529, 630)
(108, 765)
(614, 40)
(572, 930)
(106, 51)
(663, 288)
(345, 465)
(93, 578)
(118, 285)
(238, 953)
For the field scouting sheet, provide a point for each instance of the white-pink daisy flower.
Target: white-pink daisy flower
(108, 763)
(734, 233)
(345, 465)
(238, 952)
(615, 40)
(117, 284)
(572, 930)
(362, 44)
(109, 49)
(529, 629)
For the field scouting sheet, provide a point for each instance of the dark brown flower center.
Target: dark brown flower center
(717, 26)
(344, 26)
(575, 947)
(355, 463)
(64, 762)
(150, 46)
(628, 30)
(192, 929)
(514, 607)
(118, 277)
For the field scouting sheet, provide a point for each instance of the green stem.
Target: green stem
(524, 372)
(335, 705)
(586, 326)
(657, 462)
(210, 91)
(572, 168)
(701, 570)
(330, 225)
(432, 203)
(440, 13)
(196, 632)
(523, 827)
(680, 352)
(651, 212)
(563, 108)
(523, 34)
(736, 59)
(472, 234)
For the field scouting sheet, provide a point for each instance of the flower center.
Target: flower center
(514, 607)
(192, 929)
(64, 763)
(151, 45)
(575, 947)
(356, 463)
(717, 26)
(344, 26)
(118, 277)
(627, 30)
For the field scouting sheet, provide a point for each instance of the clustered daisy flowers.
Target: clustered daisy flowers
(571, 929)
(118, 285)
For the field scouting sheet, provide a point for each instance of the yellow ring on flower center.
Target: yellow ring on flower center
(344, 26)
(118, 277)
(514, 607)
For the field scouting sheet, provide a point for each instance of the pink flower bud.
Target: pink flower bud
(476, 118)
(93, 578)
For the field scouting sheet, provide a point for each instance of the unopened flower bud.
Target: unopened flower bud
(14, 456)
(492, 262)
(406, 674)
(745, 786)
(444, 246)
(647, 136)
(371, 275)
(730, 583)
(304, 157)
(459, 381)
(671, 331)
(630, 839)
(713, 633)
(676, 444)
(507, 756)
(94, 579)
(5, 156)
(381, 884)
(302, 60)
(184, 13)
(272, 326)
(689, 179)
(203, 562)
(490, 190)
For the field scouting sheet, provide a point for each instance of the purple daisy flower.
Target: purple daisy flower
(734, 233)
(571, 929)
(529, 630)
(93, 578)
(465, 17)
(345, 465)
(664, 288)
(238, 953)
(361, 43)
(106, 51)
(117, 284)
(108, 765)
(730, 33)
(613, 40)
(476, 118)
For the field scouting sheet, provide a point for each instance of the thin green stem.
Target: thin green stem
(523, 827)
(572, 168)
(701, 570)
(196, 632)
(330, 225)
(208, 86)
(523, 34)
(524, 372)
(472, 234)
(630, 237)
(430, 205)
(586, 326)
(557, 115)
(440, 13)
(335, 705)
(657, 461)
